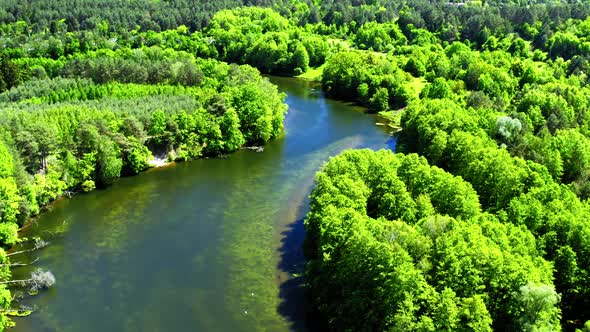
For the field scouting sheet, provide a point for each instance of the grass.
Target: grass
(392, 118)
(313, 74)
(342, 44)
(417, 84)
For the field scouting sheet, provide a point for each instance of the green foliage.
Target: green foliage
(509, 122)
(49, 186)
(136, 156)
(266, 40)
(5, 300)
(9, 200)
(452, 269)
(415, 67)
(574, 150)
(539, 311)
(6, 163)
(10, 73)
(4, 268)
(109, 163)
(102, 121)
(379, 37)
(365, 76)
(509, 129)
(394, 242)
(380, 100)
(230, 127)
(88, 186)
(8, 233)
(438, 89)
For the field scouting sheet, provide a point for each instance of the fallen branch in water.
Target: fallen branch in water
(21, 252)
(253, 148)
(39, 279)
(38, 245)
(21, 264)
(17, 312)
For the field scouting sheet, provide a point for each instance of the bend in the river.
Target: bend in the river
(207, 245)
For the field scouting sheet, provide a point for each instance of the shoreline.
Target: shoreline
(158, 163)
(153, 164)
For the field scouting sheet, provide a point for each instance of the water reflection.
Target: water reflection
(209, 245)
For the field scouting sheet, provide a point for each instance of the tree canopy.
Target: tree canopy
(480, 225)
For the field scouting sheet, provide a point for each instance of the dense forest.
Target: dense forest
(493, 235)
(478, 223)
(78, 122)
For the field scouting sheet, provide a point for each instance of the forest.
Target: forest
(478, 222)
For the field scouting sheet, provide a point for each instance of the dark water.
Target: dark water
(208, 245)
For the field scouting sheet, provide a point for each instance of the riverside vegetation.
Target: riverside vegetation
(485, 227)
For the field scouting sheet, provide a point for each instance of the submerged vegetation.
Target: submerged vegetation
(73, 134)
(484, 227)
(75, 123)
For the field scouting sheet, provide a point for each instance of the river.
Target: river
(207, 245)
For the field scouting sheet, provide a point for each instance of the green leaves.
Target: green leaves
(539, 311)
(9, 200)
(382, 246)
(6, 163)
(374, 80)
(108, 162)
(230, 127)
(136, 157)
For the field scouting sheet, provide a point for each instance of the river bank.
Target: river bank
(211, 244)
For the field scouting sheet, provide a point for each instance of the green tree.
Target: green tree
(539, 307)
(380, 100)
(300, 59)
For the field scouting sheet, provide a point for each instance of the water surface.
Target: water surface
(207, 245)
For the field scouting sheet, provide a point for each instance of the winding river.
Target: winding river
(207, 245)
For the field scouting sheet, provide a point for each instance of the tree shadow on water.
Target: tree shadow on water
(294, 306)
(391, 143)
